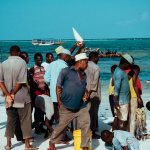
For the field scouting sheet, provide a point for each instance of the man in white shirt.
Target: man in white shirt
(49, 59)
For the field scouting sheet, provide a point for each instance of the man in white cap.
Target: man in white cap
(59, 49)
(72, 83)
(51, 76)
(122, 92)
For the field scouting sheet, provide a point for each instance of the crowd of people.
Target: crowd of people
(67, 91)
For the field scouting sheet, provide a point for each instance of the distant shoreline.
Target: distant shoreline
(88, 39)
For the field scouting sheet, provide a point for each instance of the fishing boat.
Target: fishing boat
(40, 42)
(58, 42)
(147, 81)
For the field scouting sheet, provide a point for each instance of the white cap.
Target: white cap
(65, 51)
(59, 49)
(80, 56)
(128, 58)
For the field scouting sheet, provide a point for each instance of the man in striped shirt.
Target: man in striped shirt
(38, 87)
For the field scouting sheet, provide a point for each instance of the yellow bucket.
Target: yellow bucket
(77, 140)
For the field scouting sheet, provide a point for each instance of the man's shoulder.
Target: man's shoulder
(53, 63)
(64, 70)
(4, 62)
(44, 63)
(118, 71)
(15, 59)
(93, 65)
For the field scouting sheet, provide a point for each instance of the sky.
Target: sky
(93, 19)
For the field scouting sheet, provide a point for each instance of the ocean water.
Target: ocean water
(138, 48)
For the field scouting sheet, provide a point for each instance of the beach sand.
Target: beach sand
(42, 144)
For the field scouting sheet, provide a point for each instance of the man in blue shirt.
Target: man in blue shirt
(122, 92)
(71, 89)
(121, 140)
(51, 76)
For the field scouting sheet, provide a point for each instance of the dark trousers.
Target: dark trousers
(111, 102)
(95, 102)
(38, 117)
(56, 114)
(18, 132)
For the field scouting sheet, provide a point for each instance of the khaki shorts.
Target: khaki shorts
(122, 112)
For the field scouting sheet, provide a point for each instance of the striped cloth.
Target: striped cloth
(38, 76)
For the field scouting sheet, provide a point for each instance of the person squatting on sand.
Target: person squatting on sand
(71, 102)
(45, 105)
(18, 102)
(121, 140)
(121, 93)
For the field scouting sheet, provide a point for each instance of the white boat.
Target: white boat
(147, 81)
(40, 42)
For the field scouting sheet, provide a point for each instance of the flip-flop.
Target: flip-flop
(31, 148)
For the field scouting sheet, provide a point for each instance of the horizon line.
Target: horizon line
(84, 39)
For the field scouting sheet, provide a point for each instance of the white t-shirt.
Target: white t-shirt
(45, 65)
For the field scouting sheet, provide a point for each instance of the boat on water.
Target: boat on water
(58, 43)
(40, 42)
(109, 55)
(103, 54)
(147, 81)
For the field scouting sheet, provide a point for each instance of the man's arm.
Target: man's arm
(4, 89)
(117, 84)
(59, 87)
(58, 93)
(9, 98)
(139, 99)
(77, 44)
(81, 46)
(16, 88)
(73, 48)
